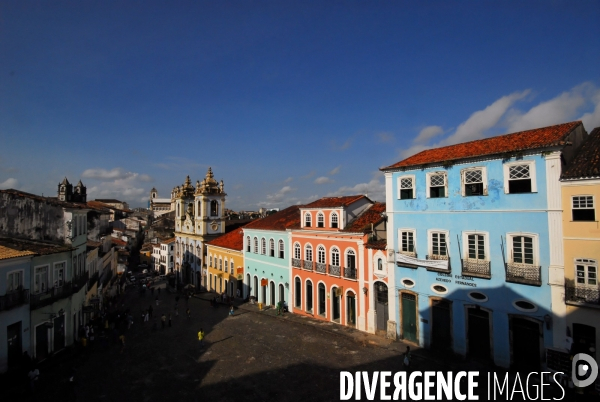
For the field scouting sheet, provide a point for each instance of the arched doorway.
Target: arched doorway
(351, 309)
(478, 333)
(231, 287)
(272, 286)
(281, 294)
(247, 290)
(381, 305)
(335, 304)
(256, 288)
(264, 293)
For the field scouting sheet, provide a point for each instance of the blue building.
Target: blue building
(267, 258)
(475, 248)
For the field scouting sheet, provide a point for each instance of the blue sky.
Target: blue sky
(287, 101)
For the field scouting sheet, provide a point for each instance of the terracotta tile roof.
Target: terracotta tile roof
(523, 140)
(98, 204)
(333, 202)
(47, 200)
(171, 240)
(233, 240)
(288, 218)
(34, 246)
(586, 163)
(91, 243)
(118, 242)
(377, 244)
(7, 252)
(362, 223)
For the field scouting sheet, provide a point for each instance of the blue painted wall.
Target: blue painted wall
(264, 266)
(497, 214)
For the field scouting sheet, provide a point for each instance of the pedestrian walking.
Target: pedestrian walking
(231, 310)
(407, 357)
(201, 337)
(169, 320)
(163, 320)
(33, 375)
(188, 313)
(147, 316)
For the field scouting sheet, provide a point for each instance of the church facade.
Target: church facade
(160, 206)
(199, 218)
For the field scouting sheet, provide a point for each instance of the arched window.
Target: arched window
(309, 297)
(272, 248)
(281, 249)
(248, 245)
(220, 264)
(226, 265)
(263, 246)
(334, 220)
(298, 298)
(379, 264)
(214, 208)
(199, 208)
(321, 255)
(350, 259)
(308, 253)
(178, 210)
(231, 265)
(297, 253)
(322, 298)
(307, 220)
(335, 257)
(255, 245)
(320, 220)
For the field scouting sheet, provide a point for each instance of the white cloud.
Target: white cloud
(335, 170)
(289, 179)
(323, 180)
(385, 137)
(427, 133)
(103, 174)
(277, 199)
(375, 189)
(9, 183)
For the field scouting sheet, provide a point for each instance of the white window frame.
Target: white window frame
(414, 233)
(428, 182)
(321, 252)
(220, 263)
(255, 245)
(297, 251)
(56, 268)
(586, 262)
(19, 273)
(308, 247)
(331, 256)
(483, 178)
(249, 244)
(320, 219)
(210, 260)
(337, 220)
(430, 233)
(263, 246)
(414, 185)
(465, 247)
(347, 252)
(281, 249)
(307, 219)
(35, 274)
(593, 207)
(532, 175)
(534, 244)
(271, 247)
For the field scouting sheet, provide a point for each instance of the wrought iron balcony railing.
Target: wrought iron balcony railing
(350, 273)
(335, 270)
(37, 300)
(296, 262)
(14, 299)
(582, 295)
(523, 273)
(476, 268)
(320, 267)
(307, 265)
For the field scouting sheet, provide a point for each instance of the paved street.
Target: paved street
(251, 356)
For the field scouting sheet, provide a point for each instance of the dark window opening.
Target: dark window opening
(437, 192)
(588, 215)
(406, 194)
(474, 189)
(519, 186)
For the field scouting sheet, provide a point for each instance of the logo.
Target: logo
(584, 371)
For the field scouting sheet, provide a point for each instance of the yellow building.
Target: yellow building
(580, 184)
(146, 254)
(225, 260)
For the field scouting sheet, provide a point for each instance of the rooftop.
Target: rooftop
(586, 164)
(34, 246)
(233, 240)
(7, 252)
(288, 218)
(524, 140)
(362, 223)
(47, 200)
(334, 202)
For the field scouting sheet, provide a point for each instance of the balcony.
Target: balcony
(335, 270)
(80, 281)
(296, 262)
(308, 265)
(524, 274)
(443, 259)
(38, 300)
(322, 268)
(582, 295)
(93, 280)
(350, 273)
(476, 268)
(14, 299)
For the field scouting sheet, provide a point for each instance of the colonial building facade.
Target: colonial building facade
(226, 263)
(199, 218)
(475, 245)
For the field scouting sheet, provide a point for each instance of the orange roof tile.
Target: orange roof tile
(377, 244)
(523, 140)
(7, 252)
(333, 202)
(285, 219)
(233, 240)
(171, 240)
(118, 242)
(362, 223)
(587, 161)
